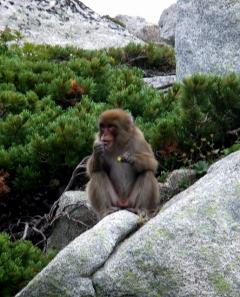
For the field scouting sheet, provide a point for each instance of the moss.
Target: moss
(131, 280)
(54, 289)
(209, 255)
(220, 284)
(211, 209)
(161, 284)
(238, 188)
(166, 280)
(189, 210)
(165, 234)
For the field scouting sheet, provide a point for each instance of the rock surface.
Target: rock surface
(167, 24)
(207, 37)
(63, 22)
(160, 82)
(140, 28)
(150, 33)
(191, 248)
(73, 217)
(133, 24)
(69, 273)
(176, 182)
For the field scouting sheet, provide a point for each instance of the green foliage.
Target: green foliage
(6, 36)
(38, 147)
(20, 261)
(163, 177)
(233, 148)
(201, 167)
(9, 35)
(50, 98)
(211, 103)
(148, 56)
(195, 127)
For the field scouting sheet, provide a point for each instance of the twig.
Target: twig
(25, 233)
(136, 59)
(40, 224)
(41, 233)
(234, 132)
(81, 165)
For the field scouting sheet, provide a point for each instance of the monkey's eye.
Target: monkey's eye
(107, 126)
(112, 127)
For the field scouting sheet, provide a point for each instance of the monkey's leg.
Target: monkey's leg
(145, 193)
(101, 194)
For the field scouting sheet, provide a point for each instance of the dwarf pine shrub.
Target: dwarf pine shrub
(50, 99)
(149, 56)
(205, 108)
(20, 261)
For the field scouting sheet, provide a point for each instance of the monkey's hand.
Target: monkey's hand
(127, 158)
(99, 148)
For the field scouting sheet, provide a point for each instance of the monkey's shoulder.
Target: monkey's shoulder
(139, 144)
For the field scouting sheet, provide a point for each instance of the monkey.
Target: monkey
(122, 167)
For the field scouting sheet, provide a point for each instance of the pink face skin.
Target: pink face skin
(107, 134)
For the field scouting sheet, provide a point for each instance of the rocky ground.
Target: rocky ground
(62, 22)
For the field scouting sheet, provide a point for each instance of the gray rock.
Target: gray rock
(69, 273)
(140, 28)
(133, 24)
(207, 37)
(167, 24)
(160, 82)
(73, 217)
(150, 33)
(191, 248)
(65, 22)
(177, 181)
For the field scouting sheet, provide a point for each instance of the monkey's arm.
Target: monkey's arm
(95, 162)
(145, 162)
(141, 161)
(141, 155)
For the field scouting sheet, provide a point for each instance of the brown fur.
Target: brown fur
(115, 184)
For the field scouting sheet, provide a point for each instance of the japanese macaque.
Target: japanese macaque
(121, 167)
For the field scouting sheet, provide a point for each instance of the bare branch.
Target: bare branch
(234, 132)
(25, 233)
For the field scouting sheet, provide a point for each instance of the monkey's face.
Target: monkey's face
(108, 133)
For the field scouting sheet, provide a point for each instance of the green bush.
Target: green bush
(20, 261)
(50, 98)
(205, 108)
(149, 56)
(233, 148)
(6, 36)
(38, 147)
